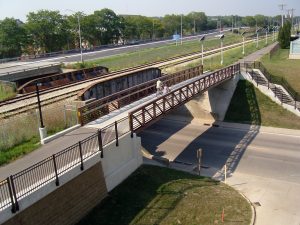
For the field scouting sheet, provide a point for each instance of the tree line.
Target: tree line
(50, 31)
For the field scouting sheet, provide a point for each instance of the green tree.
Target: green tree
(249, 21)
(12, 37)
(108, 26)
(47, 29)
(171, 24)
(284, 35)
(197, 19)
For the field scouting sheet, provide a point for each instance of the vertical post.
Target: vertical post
(225, 173)
(130, 124)
(14, 193)
(117, 135)
(80, 41)
(39, 104)
(100, 143)
(80, 153)
(202, 51)
(199, 157)
(55, 170)
(65, 116)
(256, 39)
(221, 51)
(181, 31)
(243, 45)
(13, 206)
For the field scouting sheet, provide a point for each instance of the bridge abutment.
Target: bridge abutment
(210, 105)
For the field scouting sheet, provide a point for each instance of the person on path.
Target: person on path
(158, 87)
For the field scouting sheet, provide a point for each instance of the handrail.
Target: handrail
(112, 102)
(21, 184)
(148, 113)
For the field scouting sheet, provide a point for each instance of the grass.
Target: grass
(139, 57)
(156, 195)
(7, 91)
(279, 65)
(16, 152)
(249, 105)
(19, 130)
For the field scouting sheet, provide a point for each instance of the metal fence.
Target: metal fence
(21, 184)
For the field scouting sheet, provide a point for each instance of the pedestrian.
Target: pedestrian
(158, 86)
(166, 89)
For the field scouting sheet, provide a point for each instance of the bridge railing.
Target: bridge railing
(117, 100)
(21, 184)
(152, 111)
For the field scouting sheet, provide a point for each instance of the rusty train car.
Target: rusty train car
(110, 85)
(62, 79)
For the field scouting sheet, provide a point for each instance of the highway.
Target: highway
(88, 56)
(263, 163)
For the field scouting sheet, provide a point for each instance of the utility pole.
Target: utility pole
(181, 31)
(194, 26)
(292, 16)
(281, 7)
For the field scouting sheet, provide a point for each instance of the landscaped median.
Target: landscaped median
(157, 195)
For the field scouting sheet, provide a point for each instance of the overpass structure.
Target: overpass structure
(109, 131)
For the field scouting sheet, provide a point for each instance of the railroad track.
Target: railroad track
(26, 102)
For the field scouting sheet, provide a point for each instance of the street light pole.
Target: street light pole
(39, 103)
(202, 40)
(42, 129)
(222, 37)
(80, 41)
(79, 32)
(266, 36)
(243, 42)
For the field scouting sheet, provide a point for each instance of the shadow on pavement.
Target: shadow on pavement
(221, 143)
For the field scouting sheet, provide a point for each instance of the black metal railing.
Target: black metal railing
(271, 80)
(21, 184)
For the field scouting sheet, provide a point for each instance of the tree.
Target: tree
(249, 21)
(108, 26)
(47, 29)
(171, 24)
(261, 20)
(12, 37)
(284, 35)
(197, 19)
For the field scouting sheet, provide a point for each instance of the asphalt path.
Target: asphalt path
(262, 163)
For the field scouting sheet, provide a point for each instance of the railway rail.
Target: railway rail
(26, 102)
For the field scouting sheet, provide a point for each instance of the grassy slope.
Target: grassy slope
(135, 58)
(249, 105)
(6, 91)
(155, 195)
(279, 65)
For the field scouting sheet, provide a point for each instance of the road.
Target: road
(263, 163)
(70, 58)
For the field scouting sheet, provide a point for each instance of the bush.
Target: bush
(285, 35)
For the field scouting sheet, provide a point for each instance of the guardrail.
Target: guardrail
(115, 101)
(150, 112)
(29, 69)
(19, 185)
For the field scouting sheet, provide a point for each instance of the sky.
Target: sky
(20, 8)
